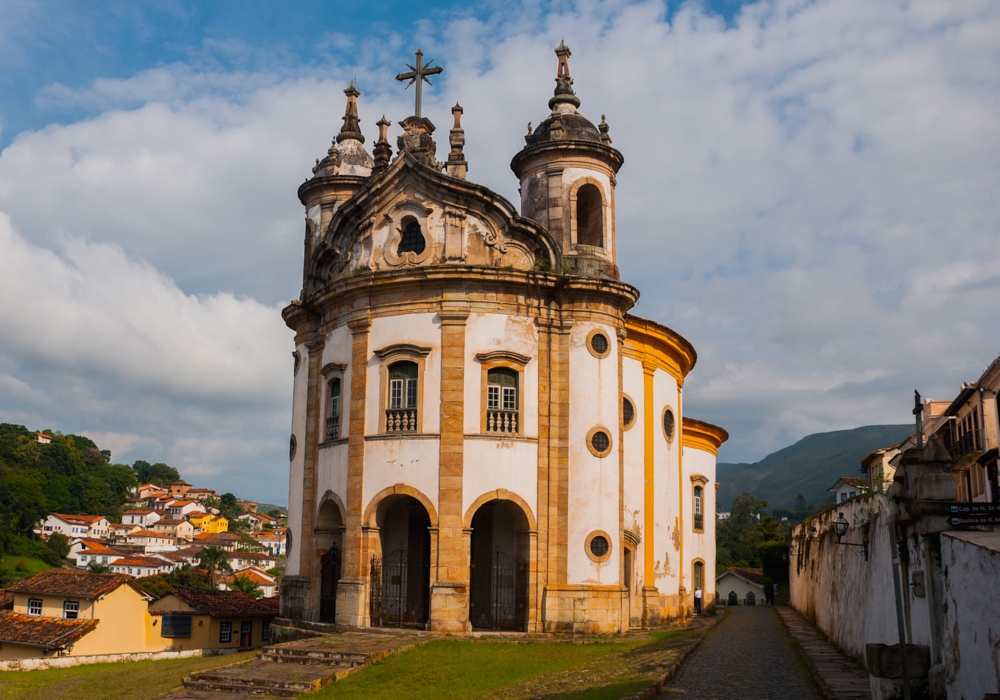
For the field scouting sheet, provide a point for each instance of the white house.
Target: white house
(151, 541)
(98, 555)
(244, 560)
(43, 438)
(92, 526)
(143, 518)
(847, 487)
(139, 567)
(747, 584)
(181, 508)
(272, 541)
(252, 518)
(264, 580)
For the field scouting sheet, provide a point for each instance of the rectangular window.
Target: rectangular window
(34, 606)
(175, 626)
(265, 631)
(509, 398)
(493, 397)
(71, 609)
(225, 632)
(396, 393)
(411, 393)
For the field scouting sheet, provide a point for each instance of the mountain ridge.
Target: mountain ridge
(808, 467)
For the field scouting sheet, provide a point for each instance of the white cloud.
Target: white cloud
(808, 195)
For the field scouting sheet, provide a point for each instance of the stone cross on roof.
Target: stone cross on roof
(418, 74)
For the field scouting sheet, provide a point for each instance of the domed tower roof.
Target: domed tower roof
(347, 154)
(565, 127)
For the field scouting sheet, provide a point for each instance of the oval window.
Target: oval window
(599, 343)
(628, 412)
(599, 546)
(600, 441)
(668, 424)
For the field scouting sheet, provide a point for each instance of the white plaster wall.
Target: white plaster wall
(593, 481)
(728, 582)
(409, 461)
(337, 350)
(635, 478)
(332, 473)
(699, 545)
(422, 329)
(850, 599)
(971, 648)
(488, 332)
(500, 464)
(667, 564)
(299, 387)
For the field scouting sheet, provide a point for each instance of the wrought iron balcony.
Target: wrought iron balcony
(501, 421)
(333, 427)
(401, 420)
(970, 442)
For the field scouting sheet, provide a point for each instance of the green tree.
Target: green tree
(95, 567)
(800, 504)
(59, 544)
(214, 560)
(244, 584)
(160, 474)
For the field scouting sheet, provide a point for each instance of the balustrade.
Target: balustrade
(333, 427)
(501, 421)
(401, 420)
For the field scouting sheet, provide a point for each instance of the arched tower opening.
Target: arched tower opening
(400, 577)
(329, 540)
(589, 216)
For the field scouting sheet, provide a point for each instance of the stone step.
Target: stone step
(237, 690)
(297, 655)
(263, 677)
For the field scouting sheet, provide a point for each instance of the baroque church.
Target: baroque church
(483, 436)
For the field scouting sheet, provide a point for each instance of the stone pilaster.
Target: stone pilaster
(309, 564)
(450, 591)
(650, 594)
(352, 599)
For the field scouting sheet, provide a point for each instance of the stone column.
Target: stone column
(450, 590)
(309, 562)
(352, 602)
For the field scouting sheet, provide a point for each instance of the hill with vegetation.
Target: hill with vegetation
(807, 468)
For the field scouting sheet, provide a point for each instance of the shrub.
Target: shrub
(22, 565)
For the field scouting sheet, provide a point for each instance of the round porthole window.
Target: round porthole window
(291, 448)
(599, 441)
(628, 412)
(598, 344)
(668, 423)
(598, 546)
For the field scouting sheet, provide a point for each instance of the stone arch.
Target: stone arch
(323, 511)
(580, 209)
(384, 498)
(501, 495)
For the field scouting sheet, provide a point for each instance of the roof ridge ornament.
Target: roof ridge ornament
(352, 123)
(418, 74)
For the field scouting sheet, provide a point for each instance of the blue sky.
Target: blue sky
(808, 195)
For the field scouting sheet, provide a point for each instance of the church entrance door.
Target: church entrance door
(498, 596)
(400, 578)
(329, 576)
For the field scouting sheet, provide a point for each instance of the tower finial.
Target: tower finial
(352, 123)
(382, 150)
(457, 166)
(564, 83)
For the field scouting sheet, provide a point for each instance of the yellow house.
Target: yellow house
(192, 619)
(208, 523)
(68, 612)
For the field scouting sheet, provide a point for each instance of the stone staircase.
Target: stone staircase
(302, 666)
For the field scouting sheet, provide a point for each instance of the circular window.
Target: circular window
(628, 412)
(598, 546)
(291, 448)
(598, 344)
(668, 423)
(599, 441)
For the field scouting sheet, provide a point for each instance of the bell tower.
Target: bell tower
(567, 172)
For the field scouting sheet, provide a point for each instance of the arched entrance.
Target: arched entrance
(400, 576)
(498, 595)
(329, 534)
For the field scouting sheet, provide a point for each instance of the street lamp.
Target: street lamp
(840, 526)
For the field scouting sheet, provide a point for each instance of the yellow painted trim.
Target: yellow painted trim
(656, 345)
(699, 435)
(649, 500)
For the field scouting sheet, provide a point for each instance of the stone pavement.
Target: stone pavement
(748, 656)
(838, 677)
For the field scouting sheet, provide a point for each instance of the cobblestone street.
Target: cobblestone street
(748, 656)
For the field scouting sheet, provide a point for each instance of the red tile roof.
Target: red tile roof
(224, 603)
(6, 599)
(78, 519)
(754, 575)
(49, 632)
(141, 561)
(70, 582)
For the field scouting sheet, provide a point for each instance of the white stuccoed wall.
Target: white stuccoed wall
(295, 466)
(635, 481)
(972, 615)
(593, 481)
(492, 464)
(667, 564)
(699, 545)
(418, 329)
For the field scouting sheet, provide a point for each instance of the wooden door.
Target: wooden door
(246, 634)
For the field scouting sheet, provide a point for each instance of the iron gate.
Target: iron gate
(499, 596)
(329, 576)
(399, 593)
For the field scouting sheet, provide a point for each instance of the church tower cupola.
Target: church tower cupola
(567, 171)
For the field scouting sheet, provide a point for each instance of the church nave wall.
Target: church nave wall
(594, 485)
(409, 461)
(667, 534)
(492, 464)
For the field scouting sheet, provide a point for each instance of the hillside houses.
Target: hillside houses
(71, 526)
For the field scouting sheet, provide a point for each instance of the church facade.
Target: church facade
(483, 437)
